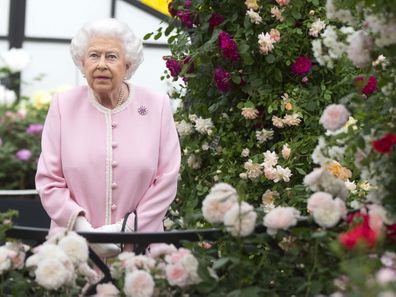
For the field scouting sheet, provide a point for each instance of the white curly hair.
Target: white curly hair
(113, 28)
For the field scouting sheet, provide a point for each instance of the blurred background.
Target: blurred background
(44, 28)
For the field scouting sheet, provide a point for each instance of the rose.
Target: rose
(51, 273)
(161, 249)
(326, 211)
(361, 233)
(240, 219)
(75, 246)
(369, 88)
(215, 19)
(186, 17)
(219, 200)
(7, 97)
(139, 283)
(106, 290)
(222, 79)
(334, 117)
(280, 218)
(228, 46)
(15, 59)
(301, 66)
(385, 144)
(174, 66)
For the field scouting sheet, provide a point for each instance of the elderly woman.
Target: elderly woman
(109, 148)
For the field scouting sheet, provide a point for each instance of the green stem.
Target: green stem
(313, 269)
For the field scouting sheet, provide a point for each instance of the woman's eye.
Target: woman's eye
(112, 57)
(93, 55)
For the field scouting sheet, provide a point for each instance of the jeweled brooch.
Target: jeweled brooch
(142, 110)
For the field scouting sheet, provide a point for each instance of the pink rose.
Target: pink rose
(177, 275)
(275, 35)
(282, 2)
(334, 117)
(177, 256)
(106, 290)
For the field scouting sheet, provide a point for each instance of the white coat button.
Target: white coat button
(114, 145)
(114, 207)
(114, 185)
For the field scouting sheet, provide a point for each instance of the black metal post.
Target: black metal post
(16, 35)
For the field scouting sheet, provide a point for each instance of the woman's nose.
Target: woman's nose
(102, 63)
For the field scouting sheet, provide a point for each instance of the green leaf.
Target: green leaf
(246, 292)
(278, 75)
(301, 171)
(220, 263)
(148, 35)
(270, 59)
(247, 59)
(158, 35)
(236, 78)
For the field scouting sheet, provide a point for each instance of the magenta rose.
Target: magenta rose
(370, 87)
(215, 20)
(222, 79)
(187, 3)
(34, 129)
(228, 46)
(174, 66)
(301, 66)
(186, 17)
(23, 154)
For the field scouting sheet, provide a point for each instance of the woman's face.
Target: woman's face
(104, 65)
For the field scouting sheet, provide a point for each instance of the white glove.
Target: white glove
(117, 227)
(130, 224)
(110, 228)
(101, 249)
(82, 225)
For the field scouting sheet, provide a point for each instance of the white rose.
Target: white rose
(326, 211)
(220, 199)
(7, 97)
(15, 59)
(139, 284)
(240, 219)
(75, 246)
(5, 261)
(52, 274)
(280, 218)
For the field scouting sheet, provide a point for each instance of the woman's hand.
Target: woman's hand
(101, 249)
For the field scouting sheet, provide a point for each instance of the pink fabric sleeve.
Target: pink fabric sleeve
(156, 201)
(50, 182)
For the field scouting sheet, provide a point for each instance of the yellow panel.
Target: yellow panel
(159, 5)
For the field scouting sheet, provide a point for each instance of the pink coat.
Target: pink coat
(105, 162)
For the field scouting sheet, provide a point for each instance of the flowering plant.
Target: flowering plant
(21, 124)
(56, 268)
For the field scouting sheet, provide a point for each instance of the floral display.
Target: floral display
(287, 129)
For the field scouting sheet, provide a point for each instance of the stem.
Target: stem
(311, 273)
